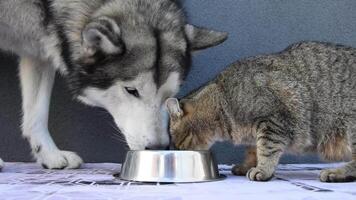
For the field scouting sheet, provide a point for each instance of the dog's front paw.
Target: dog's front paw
(59, 160)
(259, 174)
(336, 175)
(1, 164)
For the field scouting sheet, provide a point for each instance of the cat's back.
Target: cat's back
(316, 83)
(317, 76)
(313, 83)
(308, 58)
(322, 67)
(325, 72)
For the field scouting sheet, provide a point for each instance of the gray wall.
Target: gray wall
(255, 27)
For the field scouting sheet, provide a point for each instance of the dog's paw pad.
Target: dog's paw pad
(335, 175)
(257, 174)
(59, 160)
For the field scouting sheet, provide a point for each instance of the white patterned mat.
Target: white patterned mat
(20, 181)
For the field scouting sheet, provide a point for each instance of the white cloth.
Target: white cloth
(95, 181)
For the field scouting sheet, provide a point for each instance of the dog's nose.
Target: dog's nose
(158, 148)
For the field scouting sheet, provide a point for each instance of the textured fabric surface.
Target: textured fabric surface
(95, 181)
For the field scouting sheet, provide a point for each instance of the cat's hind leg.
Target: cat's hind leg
(249, 162)
(347, 173)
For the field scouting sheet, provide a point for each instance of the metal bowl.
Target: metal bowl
(170, 167)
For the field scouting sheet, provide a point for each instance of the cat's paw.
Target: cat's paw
(336, 175)
(258, 174)
(240, 170)
(59, 160)
(1, 164)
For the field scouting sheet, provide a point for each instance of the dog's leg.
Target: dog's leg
(37, 80)
(1, 164)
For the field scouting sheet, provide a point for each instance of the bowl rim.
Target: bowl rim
(221, 177)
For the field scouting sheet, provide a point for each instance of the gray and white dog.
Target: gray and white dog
(127, 56)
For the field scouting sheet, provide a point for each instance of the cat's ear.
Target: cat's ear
(202, 38)
(174, 109)
(102, 35)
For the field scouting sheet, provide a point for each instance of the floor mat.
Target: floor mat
(96, 181)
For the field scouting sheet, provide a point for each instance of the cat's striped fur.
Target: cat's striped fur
(302, 99)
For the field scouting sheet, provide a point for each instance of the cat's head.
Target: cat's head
(193, 125)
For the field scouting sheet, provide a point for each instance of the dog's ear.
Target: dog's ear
(202, 38)
(174, 108)
(102, 35)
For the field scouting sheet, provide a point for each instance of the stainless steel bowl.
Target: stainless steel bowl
(170, 167)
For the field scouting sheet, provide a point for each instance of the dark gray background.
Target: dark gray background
(255, 27)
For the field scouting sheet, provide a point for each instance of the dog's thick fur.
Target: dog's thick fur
(126, 56)
(302, 99)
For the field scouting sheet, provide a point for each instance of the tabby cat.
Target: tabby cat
(302, 99)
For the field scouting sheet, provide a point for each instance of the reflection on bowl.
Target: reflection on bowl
(170, 167)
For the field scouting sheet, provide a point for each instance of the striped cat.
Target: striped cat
(302, 100)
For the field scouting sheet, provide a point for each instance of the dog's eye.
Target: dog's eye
(132, 91)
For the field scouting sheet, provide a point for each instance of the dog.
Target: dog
(126, 56)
